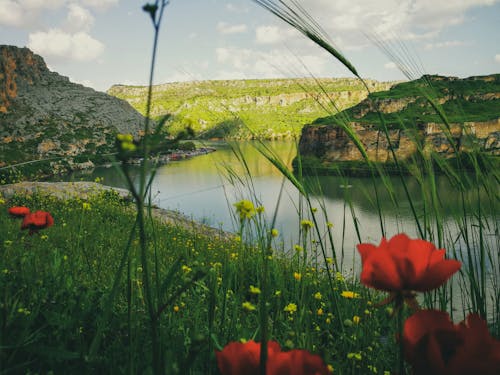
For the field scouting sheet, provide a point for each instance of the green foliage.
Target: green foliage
(272, 108)
(55, 283)
(463, 100)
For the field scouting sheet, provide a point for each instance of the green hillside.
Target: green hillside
(404, 105)
(271, 108)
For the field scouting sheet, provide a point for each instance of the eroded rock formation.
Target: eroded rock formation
(43, 114)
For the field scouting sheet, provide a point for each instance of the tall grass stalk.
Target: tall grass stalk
(481, 260)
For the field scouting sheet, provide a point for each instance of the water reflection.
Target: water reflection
(197, 187)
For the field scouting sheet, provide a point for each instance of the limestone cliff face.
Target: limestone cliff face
(416, 132)
(331, 144)
(271, 108)
(43, 114)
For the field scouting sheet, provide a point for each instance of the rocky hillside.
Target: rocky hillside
(471, 107)
(271, 108)
(44, 115)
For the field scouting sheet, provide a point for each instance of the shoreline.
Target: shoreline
(48, 168)
(84, 190)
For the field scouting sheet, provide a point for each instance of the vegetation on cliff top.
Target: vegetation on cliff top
(270, 108)
(406, 104)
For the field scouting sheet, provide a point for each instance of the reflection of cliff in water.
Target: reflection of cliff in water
(361, 192)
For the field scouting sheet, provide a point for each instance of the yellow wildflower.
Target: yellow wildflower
(290, 308)
(274, 232)
(254, 289)
(306, 224)
(297, 276)
(318, 295)
(248, 306)
(245, 209)
(186, 269)
(86, 206)
(298, 248)
(356, 356)
(260, 209)
(125, 137)
(330, 368)
(356, 319)
(349, 294)
(176, 308)
(319, 311)
(329, 224)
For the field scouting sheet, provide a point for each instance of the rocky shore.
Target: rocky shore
(85, 190)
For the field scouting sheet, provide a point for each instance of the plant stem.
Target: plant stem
(400, 341)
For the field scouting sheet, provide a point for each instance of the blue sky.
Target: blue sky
(104, 42)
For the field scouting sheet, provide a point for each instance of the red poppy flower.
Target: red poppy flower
(37, 220)
(296, 362)
(243, 359)
(403, 265)
(19, 211)
(434, 345)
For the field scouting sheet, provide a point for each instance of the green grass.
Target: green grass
(464, 100)
(55, 284)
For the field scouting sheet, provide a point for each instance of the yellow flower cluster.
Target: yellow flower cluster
(248, 306)
(245, 209)
(290, 308)
(306, 224)
(126, 142)
(349, 294)
(254, 289)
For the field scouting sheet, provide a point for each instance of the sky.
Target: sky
(100, 43)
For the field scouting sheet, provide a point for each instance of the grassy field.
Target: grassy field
(56, 285)
(107, 289)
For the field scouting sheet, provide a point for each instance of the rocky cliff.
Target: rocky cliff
(44, 115)
(471, 105)
(270, 108)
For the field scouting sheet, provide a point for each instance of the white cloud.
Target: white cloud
(100, 4)
(445, 44)
(224, 28)
(11, 13)
(238, 58)
(390, 19)
(78, 18)
(390, 65)
(58, 44)
(497, 58)
(274, 34)
(274, 63)
(22, 13)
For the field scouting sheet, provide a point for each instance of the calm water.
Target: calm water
(200, 189)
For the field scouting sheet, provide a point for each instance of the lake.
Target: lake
(205, 188)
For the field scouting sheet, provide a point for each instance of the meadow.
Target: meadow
(103, 287)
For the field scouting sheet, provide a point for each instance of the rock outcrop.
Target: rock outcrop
(44, 115)
(270, 108)
(331, 144)
(327, 142)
